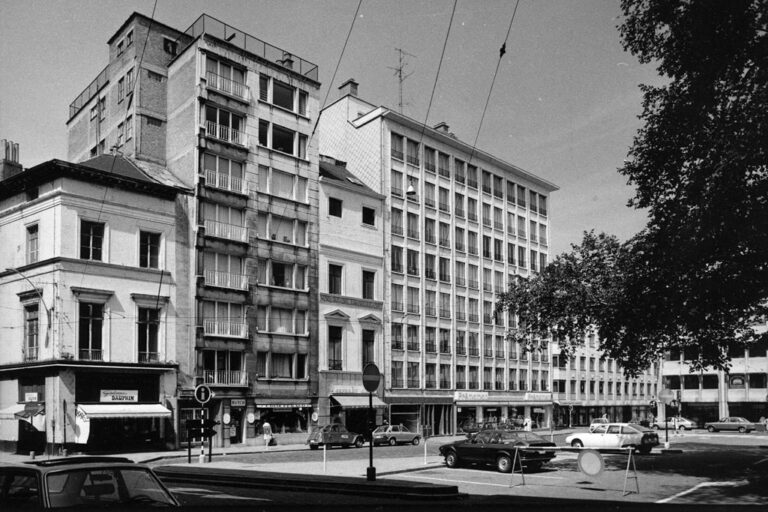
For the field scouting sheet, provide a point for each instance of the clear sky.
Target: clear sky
(564, 106)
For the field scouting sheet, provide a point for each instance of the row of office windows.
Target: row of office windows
(448, 306)
(438, 340)
(516, 226)
(407, 150)
(604, 389)
(407, 374)
(756, 380)
(759, 349)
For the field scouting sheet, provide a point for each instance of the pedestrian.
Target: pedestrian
(527, 424)
(267, 430)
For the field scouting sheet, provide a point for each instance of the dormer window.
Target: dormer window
(170, 46)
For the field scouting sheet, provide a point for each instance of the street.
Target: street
(712, 469)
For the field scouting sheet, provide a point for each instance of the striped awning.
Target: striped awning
(122, 410)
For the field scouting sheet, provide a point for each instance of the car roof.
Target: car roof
(48, 465)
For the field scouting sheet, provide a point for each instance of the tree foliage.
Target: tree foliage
(697, 276)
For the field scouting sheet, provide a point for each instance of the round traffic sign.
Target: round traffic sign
(371, 377)
(203, 394)
(590, 462)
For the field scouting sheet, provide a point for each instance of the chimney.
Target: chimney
(442, 127)
(287, 61)
(349, 88)
(9, 159)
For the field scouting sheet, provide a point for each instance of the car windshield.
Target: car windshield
(514, 437)
(380, 430)
(89, 486)
(639, 428)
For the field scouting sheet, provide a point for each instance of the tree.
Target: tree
(697, 276)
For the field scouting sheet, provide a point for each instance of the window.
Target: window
(429, 266)
(397, 374)
(282, 95)
(397, 146)
(534, 204)
(148, 326)
(91, 240)
(459, 239)
(334, 279)
(369, 216)
(414, 380)
(397, 336)
(429, 159)
(397, 221)
(120, 89)
(33, 246)
(413, 152)
(445, 270)
(90, 331)
(170, 46)
(149, 249)
(510, 192)
(458, 204)
(334, 347)
(521, 196)
(429, 231)
(397, 183)
(498, 187)
(445, 237)
(413, 225)
(129, 128)
(413, 300)
(369, 280)
(397, 297)
(224, 125)
(443, 165)
(397, 259)
(429, 194)
(412, 332)
(413, 262)
(472, 209)
(369, 344)
(31, 332)
(444, 199)
(334, 207)
(282, 139)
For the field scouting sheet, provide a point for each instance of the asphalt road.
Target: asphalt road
(713, 469)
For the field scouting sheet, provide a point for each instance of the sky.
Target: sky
(564, 105)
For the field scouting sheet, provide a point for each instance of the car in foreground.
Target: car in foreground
(497, 448)
(333, 435)
(81, 482)
(678, 423)
(395, 434)
(616, 435)
(733, 423)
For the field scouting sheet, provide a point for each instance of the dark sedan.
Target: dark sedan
(497, 448)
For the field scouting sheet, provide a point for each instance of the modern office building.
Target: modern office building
(231, 117)
(88, 291)
(351, 332)
(713, 394)
(459, 224)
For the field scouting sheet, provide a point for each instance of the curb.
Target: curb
(311, 483)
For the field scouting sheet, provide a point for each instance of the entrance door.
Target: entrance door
(236, 426)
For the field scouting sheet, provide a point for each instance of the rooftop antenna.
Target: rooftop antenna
(399, 73)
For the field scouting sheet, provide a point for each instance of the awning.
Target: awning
(9, 413)
(282, 403)
(29, 411)
(357, 401)
(91, 411)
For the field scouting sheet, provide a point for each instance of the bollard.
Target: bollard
(425, 451)
(324, 460)
(32, 454)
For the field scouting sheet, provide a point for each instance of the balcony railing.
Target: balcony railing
(223, 181)
(226, 85)
(31, 353)
(430, 310)
(473, 283)
(413, 233)
(429, 202)
(225, 133)
(396, 153)
(460, 316)
(460, 281)
(397, 267)
(444, 207)
(413, 308)
(474, 317)
(460, 384)
(397, 229)
(334, 364)
(429, 274)
(445, 313)
(431, 347)
(429, 166)
(498, 225)
(228, 231)
(472, 183)
(225, 377)
(444, 171)
(460, 350)
(445, 383)
(474, 351)
(414, 346)
(397, 344)
(398, 306)
(91, 354)
(460, 212)
(445, 348)
(460, 178)
(149, 357)
(414, 383)
(226, 280)
(472, 216)
(473, 385)
(225, 328)
(431, 384)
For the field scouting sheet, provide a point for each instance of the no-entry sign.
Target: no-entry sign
(371, 377)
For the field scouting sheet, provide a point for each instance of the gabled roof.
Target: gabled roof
(336, 173)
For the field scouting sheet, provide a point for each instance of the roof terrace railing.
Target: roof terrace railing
(211, 26)
(89, 92)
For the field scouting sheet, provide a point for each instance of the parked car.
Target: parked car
(333, 435)
(597, 422)
(678, 423)
(394, 434)
(81, 482)
(497, 447)
(616, 435)
(735, 423)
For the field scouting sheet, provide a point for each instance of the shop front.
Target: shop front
(475, 408)
(284, 415)
(428, 415)
(352, 411)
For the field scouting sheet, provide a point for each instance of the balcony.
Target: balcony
(445, 384)
(223, 181)
(471, 183)
(444, 171)
(413, 160)
(227, 86)
(429, 274)
(396, 153)
(474, 317)
(225, 133)
(414, 383)
(225, 377)
(431, 347)
(460, 178)
(225, 328)
(226, 280)
(445, 348)
(445, 313)
(428, 201)
(91, 354)
(227, 231)
(413, 233)
(31, 353)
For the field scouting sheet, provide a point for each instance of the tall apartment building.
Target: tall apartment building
(351, 332)
(459, 224)
(88, 290)
(713, 394)
(231, 117)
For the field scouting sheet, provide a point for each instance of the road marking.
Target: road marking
(472, 482)
(699, 486)
(760, 461)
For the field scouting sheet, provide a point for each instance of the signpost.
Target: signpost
(371, 380)
(202, 428)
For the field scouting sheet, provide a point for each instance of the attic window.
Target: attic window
(170, 46)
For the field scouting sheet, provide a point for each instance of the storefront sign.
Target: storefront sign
(119, 395)
(466, 396)
(538, 410)
(238, 402)
(538, 396)
(348, 390)
(30, 397)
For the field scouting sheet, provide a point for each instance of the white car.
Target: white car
(616, 435)
(678, 423)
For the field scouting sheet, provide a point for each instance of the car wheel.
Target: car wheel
(576, 443)
(392, 441)
(416, 441)
(313, 447)
(504, 464)
(711, 428)
(742, 430)
(452, 460)
(359, 442)
(681, 428)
